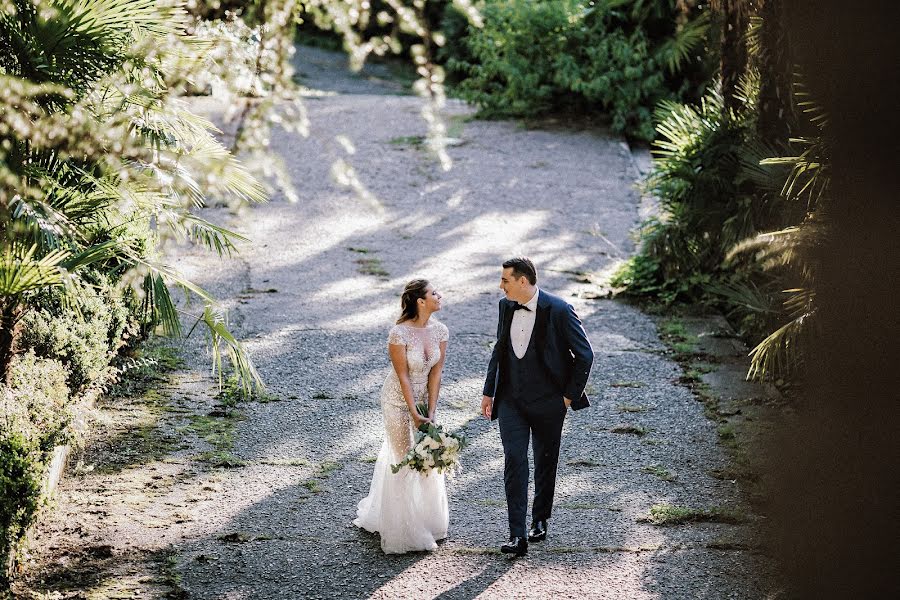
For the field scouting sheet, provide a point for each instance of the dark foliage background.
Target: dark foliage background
(834, 501)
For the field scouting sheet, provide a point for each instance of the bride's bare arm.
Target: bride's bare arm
(434, 381)
(397, 352)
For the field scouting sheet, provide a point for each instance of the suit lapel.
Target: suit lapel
(508, 313)
(540, 323)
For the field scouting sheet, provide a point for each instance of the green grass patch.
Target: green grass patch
(627, 384)
(659, 472)
(727, 545)
(668, 514)
(222, 459)
(236, 537)
(629, 430)
(216, 431)
(675, 335)
(408, 140)
(475, 550)
(368, 459)
(285, 462)
(601, 549)
(170, 575)
(313, 486)
(326, 468)
(633, 408)
(371, 266)
(727, 435)
(232, 392)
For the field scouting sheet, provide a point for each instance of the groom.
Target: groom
(538, 369)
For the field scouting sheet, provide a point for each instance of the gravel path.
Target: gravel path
(314, 297)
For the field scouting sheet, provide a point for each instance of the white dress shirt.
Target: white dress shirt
(523, 325)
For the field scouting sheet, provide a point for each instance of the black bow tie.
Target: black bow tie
(517, 306)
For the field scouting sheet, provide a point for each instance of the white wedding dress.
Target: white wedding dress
(408, 509)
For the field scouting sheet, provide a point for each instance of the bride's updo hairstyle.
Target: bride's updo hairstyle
(414, 290)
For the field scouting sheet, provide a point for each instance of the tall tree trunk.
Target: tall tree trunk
(776, 114)
(10, 312)
(735, 19)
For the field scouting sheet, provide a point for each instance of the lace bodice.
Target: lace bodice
(423, 349)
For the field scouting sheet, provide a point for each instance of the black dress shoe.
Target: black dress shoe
(538, 531)
(516, 545)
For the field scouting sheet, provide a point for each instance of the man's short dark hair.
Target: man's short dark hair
(522, 267)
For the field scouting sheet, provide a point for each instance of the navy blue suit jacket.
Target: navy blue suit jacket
(561, 341)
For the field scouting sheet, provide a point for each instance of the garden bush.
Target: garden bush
(534, 57)
(704, 210)
(34, 417)
(83, 332)
(736, 222)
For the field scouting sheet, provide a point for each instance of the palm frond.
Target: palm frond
(678, 48)
(773, 248)
(45, 226)
(158, 305)
(814, 111)
(780, 354)
(244, 369)
(765, 175)
(21, 272)
(93, 254)
(744, 294)
(214, 237)
(754, 47)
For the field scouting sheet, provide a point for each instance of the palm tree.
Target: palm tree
(92, 143)
(806, 188)
(735, 20)
(776, 116)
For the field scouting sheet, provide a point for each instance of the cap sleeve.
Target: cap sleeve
(395, 336)
(443, 333)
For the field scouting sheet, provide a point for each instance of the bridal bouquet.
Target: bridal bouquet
(434, 448)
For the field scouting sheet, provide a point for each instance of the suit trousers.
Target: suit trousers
(541, 421)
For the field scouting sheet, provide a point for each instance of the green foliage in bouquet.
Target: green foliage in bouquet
(433, 449)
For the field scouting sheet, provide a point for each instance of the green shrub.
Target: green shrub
(83, 333)
(534, 57)
(619, 73)
(20, 490)
(34, 418)
(40, 405)
(702, 177)
(512, 72)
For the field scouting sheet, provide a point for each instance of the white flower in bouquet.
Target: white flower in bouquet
(434, 448)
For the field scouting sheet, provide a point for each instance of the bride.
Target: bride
(409, 509)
